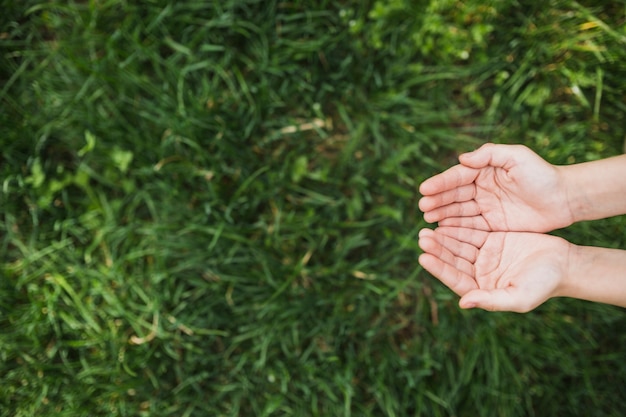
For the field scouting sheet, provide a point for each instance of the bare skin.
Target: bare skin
(492, 210)
(513, 271)
(518, 271)
(510, 188)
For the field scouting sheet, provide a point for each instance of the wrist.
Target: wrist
(595, 274)
(574, 267)
(578, 203)
(595, 189)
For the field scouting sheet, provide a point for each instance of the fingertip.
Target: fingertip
(466, 305)
(423, 205)
(426, 261)
(501, 299)
(470, 300)
(464, 158)
(422, 243)
(425, 232)
(428, 218)
(425, 188)
(427, 243)
(472, 159)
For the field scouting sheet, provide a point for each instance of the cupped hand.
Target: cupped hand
(498, 188)
(496, 271)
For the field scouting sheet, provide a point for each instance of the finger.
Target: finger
(456, 195)
(459, 249)
(470, 222)
(464, 209)
(490, 154)
(426, 232)
(499, 299)
(457, 176)
(429, 244)
(450, 276)
(473, 237)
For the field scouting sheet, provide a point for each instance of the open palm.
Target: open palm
(498, 188)
(510, 271)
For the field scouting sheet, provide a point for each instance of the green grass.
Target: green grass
(209, 208)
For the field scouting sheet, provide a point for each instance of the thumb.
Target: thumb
(490, 154)
(501, 299)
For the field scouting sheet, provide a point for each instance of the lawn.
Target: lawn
(209, 208)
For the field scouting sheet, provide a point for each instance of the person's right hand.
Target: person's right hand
(498, 188)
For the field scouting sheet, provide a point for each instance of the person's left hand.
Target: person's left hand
(496, 271)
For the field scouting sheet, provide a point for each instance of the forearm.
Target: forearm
(596, 189)
(596, 274)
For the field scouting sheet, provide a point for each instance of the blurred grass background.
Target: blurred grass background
(209, 208)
